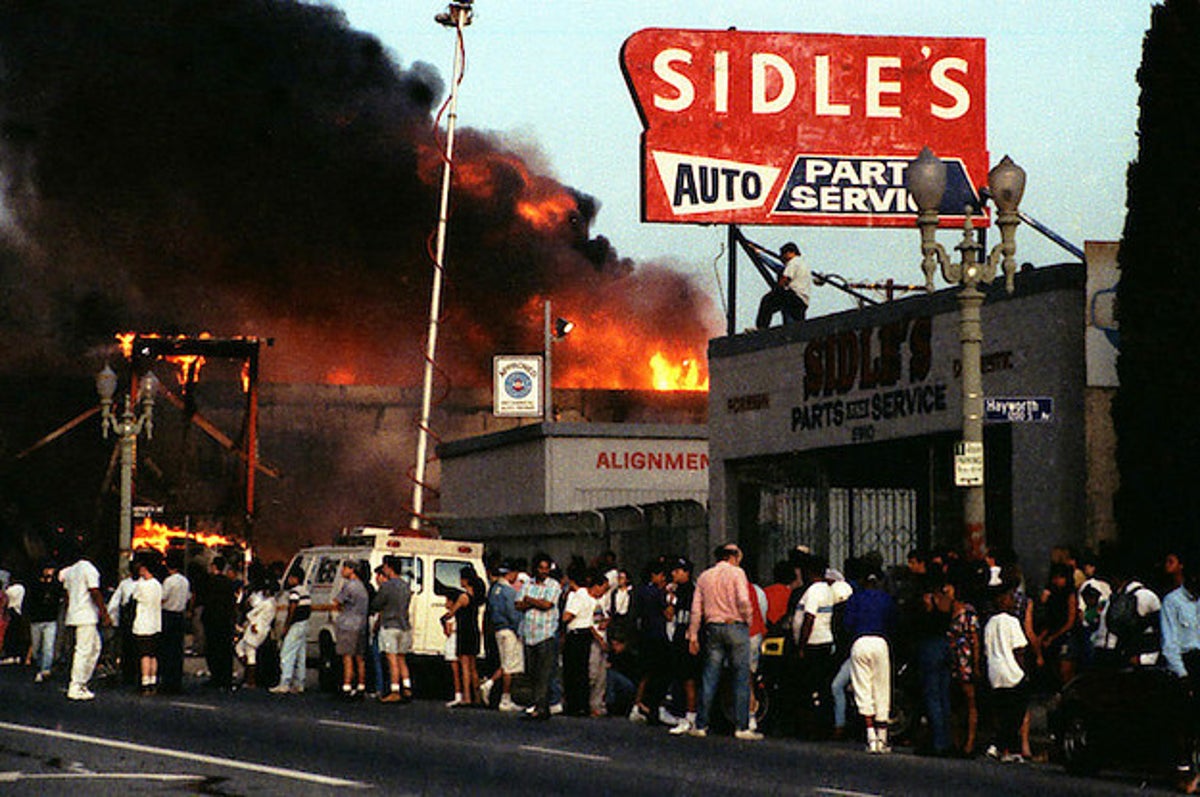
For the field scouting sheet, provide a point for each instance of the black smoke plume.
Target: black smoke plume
(258, 167)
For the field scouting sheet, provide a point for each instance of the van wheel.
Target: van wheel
(329, 677)
(1079, 757)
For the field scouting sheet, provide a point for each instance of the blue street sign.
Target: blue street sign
(1018, 410)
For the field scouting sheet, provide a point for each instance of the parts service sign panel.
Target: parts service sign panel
(804, 129)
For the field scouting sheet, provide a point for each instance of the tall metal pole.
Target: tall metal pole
(459, 15)
(731, 311)
(128, 432)
(548, 390)
(970, 302)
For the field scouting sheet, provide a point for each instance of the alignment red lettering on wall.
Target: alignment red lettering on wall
(651, 460)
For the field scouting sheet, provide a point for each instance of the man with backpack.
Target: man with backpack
(1131, 621)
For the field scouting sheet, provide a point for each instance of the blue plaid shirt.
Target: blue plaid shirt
(540, 624)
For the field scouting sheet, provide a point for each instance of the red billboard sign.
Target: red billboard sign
(803, 129)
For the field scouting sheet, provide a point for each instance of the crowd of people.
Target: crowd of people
(662, 647)
(139, 632)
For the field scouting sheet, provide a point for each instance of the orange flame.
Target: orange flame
(548, 212)
(189, 367)
(125, 341)
(158, 536)
(669, 376)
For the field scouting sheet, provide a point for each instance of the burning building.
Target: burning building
(259, 168)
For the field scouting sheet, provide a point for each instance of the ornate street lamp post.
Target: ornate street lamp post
(127, 427)
(926, 182)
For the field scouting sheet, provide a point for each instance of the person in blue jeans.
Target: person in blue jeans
(721, 614)
(42, 605)
(292, 655)
(931, 626)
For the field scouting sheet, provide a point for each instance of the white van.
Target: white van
(432, 567)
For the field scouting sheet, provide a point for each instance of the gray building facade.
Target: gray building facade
(839, 433)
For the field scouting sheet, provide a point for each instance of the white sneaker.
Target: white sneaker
(666, 717)
(485, 690)
(699, 733)
(41, 676)
(748, 735)
(636, 715)
(458, 701)
(80, 693)
(507, 704)
(557, 708)
(680, 729)
(281, 689)
(753, 723)
(531, 709)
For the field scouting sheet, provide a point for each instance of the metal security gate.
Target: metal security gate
(838, 522)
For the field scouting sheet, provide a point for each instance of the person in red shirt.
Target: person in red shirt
(786, 579)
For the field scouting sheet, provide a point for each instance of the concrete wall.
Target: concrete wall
(573, 467)
(1103, 477)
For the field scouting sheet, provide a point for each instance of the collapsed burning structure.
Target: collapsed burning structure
(259, 168)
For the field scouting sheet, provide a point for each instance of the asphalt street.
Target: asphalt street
(254, 743)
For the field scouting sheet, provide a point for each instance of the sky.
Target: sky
(1061, 95)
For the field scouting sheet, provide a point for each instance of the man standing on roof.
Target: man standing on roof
(790, 294)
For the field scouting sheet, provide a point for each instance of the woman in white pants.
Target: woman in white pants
(870, 618)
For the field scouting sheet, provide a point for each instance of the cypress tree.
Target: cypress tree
(1156, 412)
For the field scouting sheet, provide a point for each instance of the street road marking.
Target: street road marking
(843, 792)
(357, 726)
(265, 769)
(13, 777)
(565, 753)
(197, 706)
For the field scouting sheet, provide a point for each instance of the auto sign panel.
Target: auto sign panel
(803, 129)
